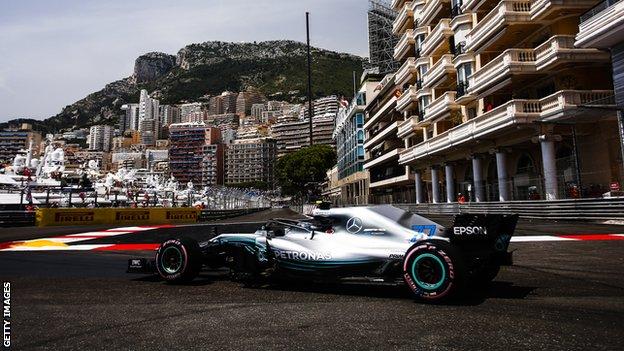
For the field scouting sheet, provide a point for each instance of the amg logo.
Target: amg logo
(77, 216)
(132, 216)
(177, 215)
(469, 230)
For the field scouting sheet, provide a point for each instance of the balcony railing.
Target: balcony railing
(431, 9)
(407, 127)
(440, 33)
(511, 60)
(462, 89)
(561, 48)
(403, 18)
(601, 6)
(438, 70)
(403, 46)
(456, 10)
(407, 72)
(407, 100)
(440, 106)
(507, 115)
(496, 20)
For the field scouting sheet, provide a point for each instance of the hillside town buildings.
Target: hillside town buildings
(251, 161)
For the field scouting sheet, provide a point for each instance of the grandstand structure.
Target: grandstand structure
(381, 40)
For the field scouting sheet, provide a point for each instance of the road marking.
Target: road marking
(537, 238)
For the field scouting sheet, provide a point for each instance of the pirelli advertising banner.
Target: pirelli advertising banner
(122, 216)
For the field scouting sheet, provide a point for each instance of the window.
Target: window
(359, 120)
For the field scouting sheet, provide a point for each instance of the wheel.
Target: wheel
(178, 260)
(433, 270)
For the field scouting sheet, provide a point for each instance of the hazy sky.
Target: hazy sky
(55, 52)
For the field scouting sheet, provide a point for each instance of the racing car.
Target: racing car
(374, 244)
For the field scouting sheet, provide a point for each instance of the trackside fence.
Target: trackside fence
(577, 209)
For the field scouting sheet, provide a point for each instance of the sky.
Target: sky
(55, 52)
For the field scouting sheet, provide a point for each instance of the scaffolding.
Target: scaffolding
(381, 40)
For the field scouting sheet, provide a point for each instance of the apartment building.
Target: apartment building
(196, 154)
(100, 138)
(251, 160)
(390, 182)
(13, 140)
(350, 183)
(498, 103)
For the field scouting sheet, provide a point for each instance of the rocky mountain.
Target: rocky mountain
(277, 68)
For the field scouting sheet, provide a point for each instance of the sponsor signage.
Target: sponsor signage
(66, 217)
(115, 216)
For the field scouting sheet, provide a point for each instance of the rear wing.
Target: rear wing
(487, 231)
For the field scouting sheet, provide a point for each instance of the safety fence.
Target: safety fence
(116, 216)
(577, 209)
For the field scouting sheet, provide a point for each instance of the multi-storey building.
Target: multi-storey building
(14, 140)
(130, 120)
(149, 117)
(499, 104)
(351, 179)
(100, 138)
(224, 121)
(196, 154)
(251, 160)
(186, 110)
(246, 99)
(168, 115)
(603, 27)
(224, 103)
(389, 181)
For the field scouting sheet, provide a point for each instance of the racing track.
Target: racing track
(560, 295)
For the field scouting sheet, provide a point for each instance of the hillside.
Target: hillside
(277, 68)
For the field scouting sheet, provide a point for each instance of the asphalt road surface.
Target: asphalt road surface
(558, 296)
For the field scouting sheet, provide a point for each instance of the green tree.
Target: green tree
(304, 170)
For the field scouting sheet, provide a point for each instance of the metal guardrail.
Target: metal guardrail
(27, 218)
(215, 215)
(601, 6)
(581, 209)
(17, 218)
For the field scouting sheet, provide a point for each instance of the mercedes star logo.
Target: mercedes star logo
(354, 225)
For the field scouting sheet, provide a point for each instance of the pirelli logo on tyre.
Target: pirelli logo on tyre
(132, 215)
(74, 216)
(181, 215)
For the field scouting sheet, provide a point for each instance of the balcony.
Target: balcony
(387, 132)
(477, 5)
(397, 5)
(440, 72)
(441, 107)
(495, 26)
(560, 50)
(433, 11)
(387, 156)
(407, 73)
(407, 127)
(405, 46)
(492, 123)
(404, 20)
(438, 39)
(385, 109)
(408, 100)
(602, 26)
(572, 104)
(510, 62)
(543, 10)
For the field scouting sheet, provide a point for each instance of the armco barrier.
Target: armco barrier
(17, 218)
(214, 215)
(583, 209)
(115, 216)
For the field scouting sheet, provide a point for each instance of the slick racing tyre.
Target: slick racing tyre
(433, 270)
(178, 260)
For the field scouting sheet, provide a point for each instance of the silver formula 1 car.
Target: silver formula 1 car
(376, 244)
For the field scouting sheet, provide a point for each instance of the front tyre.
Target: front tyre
(433, 270)
(178, 260)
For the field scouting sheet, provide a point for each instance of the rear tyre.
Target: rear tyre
(179, 260)
(434, 270)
